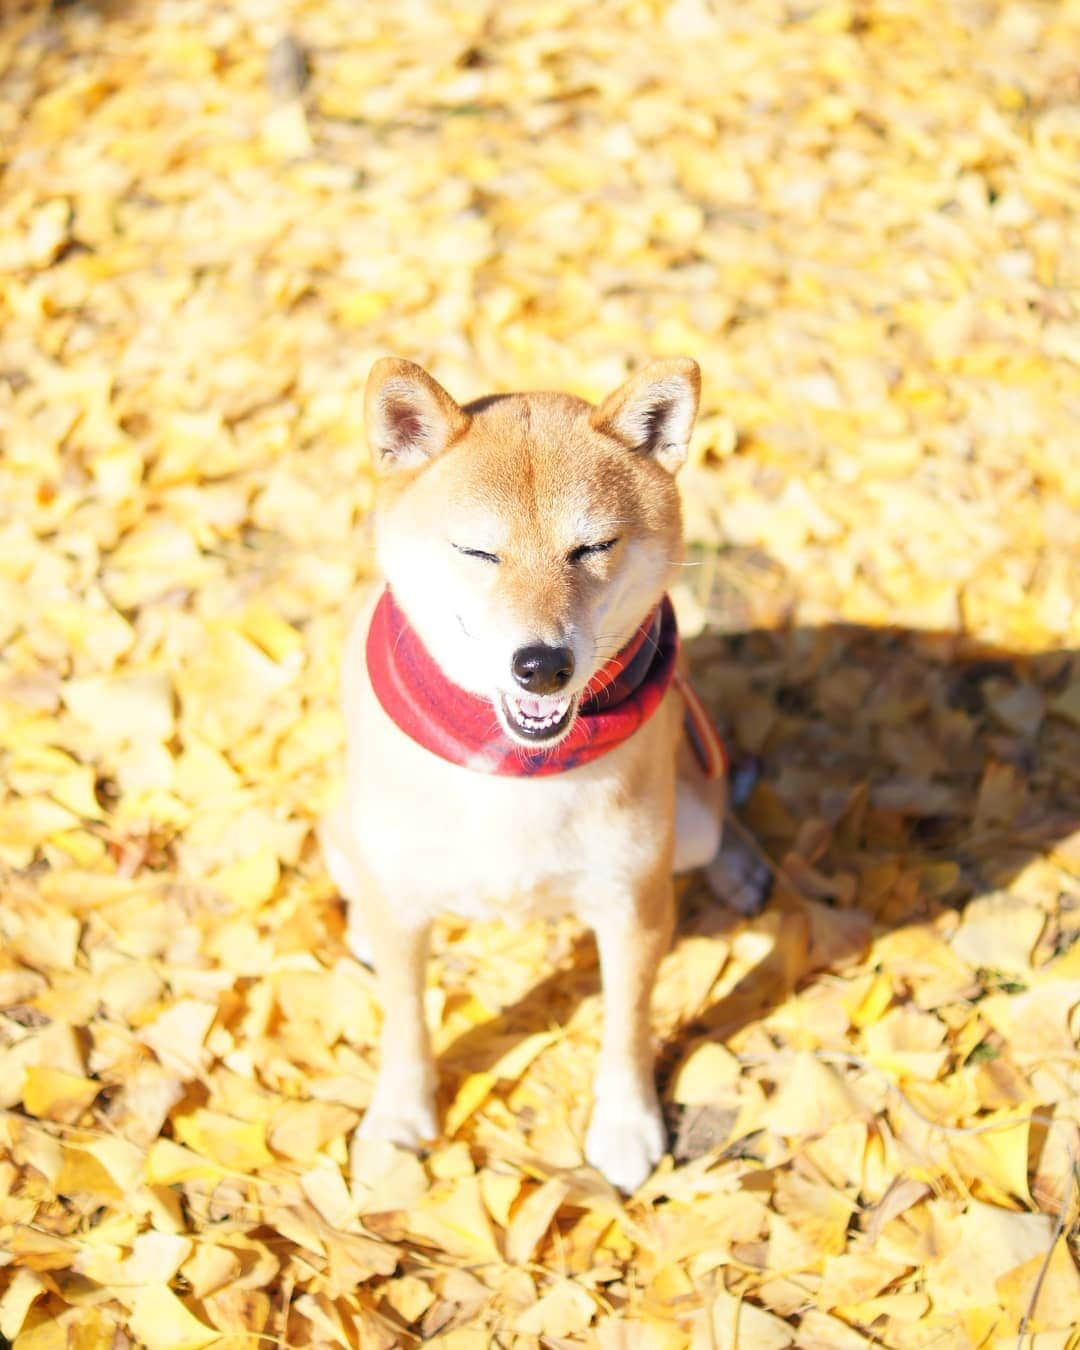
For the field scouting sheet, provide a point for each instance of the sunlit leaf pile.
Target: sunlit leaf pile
(860, 217)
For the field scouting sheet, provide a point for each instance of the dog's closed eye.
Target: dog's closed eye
(590, 550)
(476, 553)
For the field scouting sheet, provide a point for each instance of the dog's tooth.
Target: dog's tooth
(535, 715)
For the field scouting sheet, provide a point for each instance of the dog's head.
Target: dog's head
(526, 536)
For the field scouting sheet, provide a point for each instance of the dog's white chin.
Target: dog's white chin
(536, 720)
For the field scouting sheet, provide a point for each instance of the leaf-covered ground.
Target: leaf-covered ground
(860, 216)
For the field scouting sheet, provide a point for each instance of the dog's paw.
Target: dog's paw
(738, 876)
(625, 1142)
(408, 1123)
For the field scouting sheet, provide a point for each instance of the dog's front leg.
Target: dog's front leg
(626, 1136)
(402, 1108)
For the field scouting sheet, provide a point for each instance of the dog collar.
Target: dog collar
(462, 727)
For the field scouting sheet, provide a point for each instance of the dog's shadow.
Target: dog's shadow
(900, 772)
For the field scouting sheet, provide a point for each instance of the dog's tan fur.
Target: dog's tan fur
(527, 478)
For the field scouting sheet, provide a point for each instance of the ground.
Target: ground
(859, 216)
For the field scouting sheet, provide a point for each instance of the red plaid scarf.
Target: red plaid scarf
(463, 727)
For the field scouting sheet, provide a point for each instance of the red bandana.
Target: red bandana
(463, 727)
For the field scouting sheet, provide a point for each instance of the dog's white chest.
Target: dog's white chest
(486, 846)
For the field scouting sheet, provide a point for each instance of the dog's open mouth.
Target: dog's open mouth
(536, 719)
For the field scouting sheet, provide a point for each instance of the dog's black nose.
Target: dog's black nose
(543, 670)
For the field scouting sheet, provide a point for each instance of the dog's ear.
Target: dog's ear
(409, 416)
(653, 412)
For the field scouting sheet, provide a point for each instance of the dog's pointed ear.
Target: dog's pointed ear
(410, 418)
(653, 412)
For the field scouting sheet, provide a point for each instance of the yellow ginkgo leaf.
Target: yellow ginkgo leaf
(238, 1145)
(162, 1322)
(249, 882)
(56, 1095)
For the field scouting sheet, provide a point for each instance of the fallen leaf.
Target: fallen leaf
(162, 1322)
(999, 932)
(990, 1242)
(325, 1187)
(123, 708)
(238, 1145)
(855, 1277)
(177, 1035)
(809, 1098)
(210, 1267)
(249, 882)
(453, 1216)
(901, 1195)
(998, 1156)
(708, 1073)
(736, 1322)
(532, 1219)
(908, 1042)
(22, 1293)
(472, 1094)
(385, 1176)
(563, 1311)
(55, 1095)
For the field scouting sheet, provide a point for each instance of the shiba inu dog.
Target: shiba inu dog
(515, 719)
